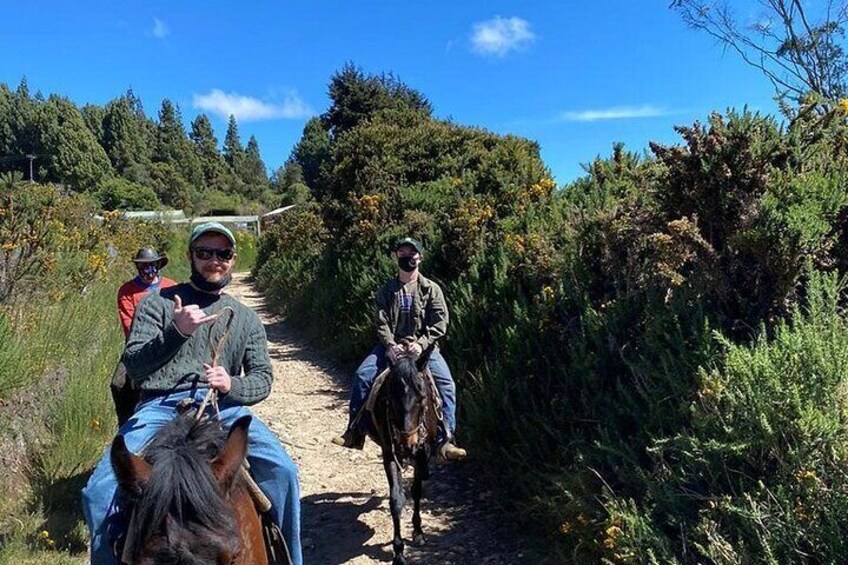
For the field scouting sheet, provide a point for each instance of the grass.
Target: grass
(63, 355)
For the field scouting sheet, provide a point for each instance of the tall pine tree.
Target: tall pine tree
(254, 169)
(8, 145)
(233, 150)
(94, 116)
(174, 148)
(71, 153)
(312, 151)
(25, 119)
(125, 136)
(206, 148)
(235, 157)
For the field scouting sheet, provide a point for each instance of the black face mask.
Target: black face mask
(407, 264)
(206, 286)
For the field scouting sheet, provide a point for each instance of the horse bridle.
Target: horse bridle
(403, 434)
(397, 436)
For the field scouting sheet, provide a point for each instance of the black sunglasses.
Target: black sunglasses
(206, 253)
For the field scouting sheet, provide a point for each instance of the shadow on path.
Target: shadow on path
(334, 534)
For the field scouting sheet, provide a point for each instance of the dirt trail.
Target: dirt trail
(346, 516)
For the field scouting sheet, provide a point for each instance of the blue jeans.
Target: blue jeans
(270, 466)
(374, 364)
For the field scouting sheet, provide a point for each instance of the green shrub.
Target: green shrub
(766, 452)
(583, 321)
(58, 348)
(246, 246)
(219, 202)
(121, 194)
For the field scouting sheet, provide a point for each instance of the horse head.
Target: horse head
(408, 396)
(180, 491)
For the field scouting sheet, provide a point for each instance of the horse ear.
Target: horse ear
(226, 466)
(132, 471)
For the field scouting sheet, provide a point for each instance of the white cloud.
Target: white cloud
(246, 108)
(499, 36)
(160, 30)
(615, 113)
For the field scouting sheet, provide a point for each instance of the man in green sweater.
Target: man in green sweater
(169, 355)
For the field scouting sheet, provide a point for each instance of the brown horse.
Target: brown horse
(189, 504)
(403, 422)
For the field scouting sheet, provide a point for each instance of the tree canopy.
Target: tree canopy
(799, 49)
(124, 159)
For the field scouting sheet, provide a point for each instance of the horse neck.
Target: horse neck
(250, 528)
(428, 410)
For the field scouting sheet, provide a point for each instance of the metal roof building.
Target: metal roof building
(178, 217)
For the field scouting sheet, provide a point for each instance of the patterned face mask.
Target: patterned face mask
(148, 270)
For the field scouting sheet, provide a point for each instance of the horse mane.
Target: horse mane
(406, 371)
(181, 482)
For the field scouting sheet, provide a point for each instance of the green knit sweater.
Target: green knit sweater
(160, 360)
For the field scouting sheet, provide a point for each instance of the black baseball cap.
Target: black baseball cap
(411, 242)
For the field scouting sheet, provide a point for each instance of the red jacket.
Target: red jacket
(131, 293)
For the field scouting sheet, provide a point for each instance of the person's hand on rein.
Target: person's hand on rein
(190, 317)
(218, 378)
(394, 351)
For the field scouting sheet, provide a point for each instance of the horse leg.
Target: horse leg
(421, 471)
(396, 502)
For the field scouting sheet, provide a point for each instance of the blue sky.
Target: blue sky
(574, 76)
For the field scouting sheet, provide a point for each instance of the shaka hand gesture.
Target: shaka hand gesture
(190, 317)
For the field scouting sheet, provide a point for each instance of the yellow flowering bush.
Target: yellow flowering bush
(467, 227)
(52, 241)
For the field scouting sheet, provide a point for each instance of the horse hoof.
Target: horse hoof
(418, 540)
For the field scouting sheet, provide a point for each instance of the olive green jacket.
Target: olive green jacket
(429, 309)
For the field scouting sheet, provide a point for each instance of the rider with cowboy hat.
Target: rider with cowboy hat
(148, 263)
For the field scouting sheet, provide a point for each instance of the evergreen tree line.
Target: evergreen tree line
(126, 160)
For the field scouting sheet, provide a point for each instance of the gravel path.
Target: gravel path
(346, 516)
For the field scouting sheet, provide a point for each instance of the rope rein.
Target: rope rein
(215, 352)
(211, 398)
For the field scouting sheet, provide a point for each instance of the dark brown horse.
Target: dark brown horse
(189, 504)
(403, 423)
